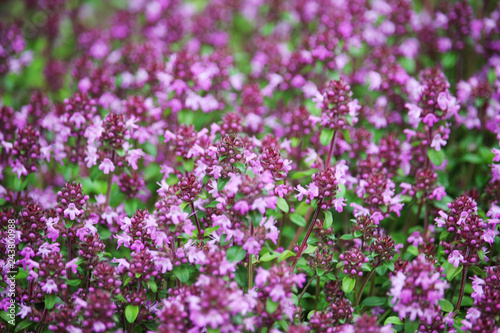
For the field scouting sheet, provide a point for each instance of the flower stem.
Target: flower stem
(462, 287)
(304, 242)
(305, 288)
(250, 262)
(330, 151)
(200, 236)
(110, 181)
(362, 288)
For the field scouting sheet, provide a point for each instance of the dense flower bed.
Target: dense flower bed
(250, 166)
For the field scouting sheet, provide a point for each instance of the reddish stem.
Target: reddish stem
(304, 242)
(200, 236)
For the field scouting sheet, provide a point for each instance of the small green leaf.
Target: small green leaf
(182, 273)
(446, 305)
(221, 183)
(347, 237)
(22, 325)
(413, 250)
(436, 157)
(271, 306)
(131, 313)
(283, 205)
(348, 284)
(328, 220)
(453, 271)
(297, 219)
(411, 326)
(50, 301)
(481, 254)
(374, 301)
(393, 320)
(240, 166)
(152, 284)
(366, 267)
(213, 204)
(326, 136)
(73, 283)
(188, 165)
(310, 249)
(269, 256)
(235, 254)
(285, 255)
(347, 135)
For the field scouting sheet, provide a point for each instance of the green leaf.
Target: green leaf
(235, 254)
(271, 306)
(393, 320)
(326, 136)
(152, 284)
(188, 165)
(182, 273)
(283, 205)
(285, 255)
(131, 312)
(310, 249)
(481, 254)
(347, 135)
(413, 250)
(453, 271)
(22, 325)
(240, 166)
(436, 157)
(269, 256)
(366, 267)
(73, 283)
(50, 301)
(449, 59)
(446, 305)
(297, 219)
(221, 183)
(348, 284)
(374, 301)
(347, 237)
(411, 326)
(320, 271)
(213, 204)
(328, 220)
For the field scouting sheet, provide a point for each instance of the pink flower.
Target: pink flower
(302, 191)
(72, 265)
(24, 311)
(261, 277)
(438, 193)
(252, 246)
(72, 211)
(99, 326)
(50, 286)
(339, 204)
(437, 142)
(107, 166)
(441, 220)
(260, 205)
(416, 239)
(455, 258)
(430, 119)
(132, 157)
(20, 169)
(242, 207)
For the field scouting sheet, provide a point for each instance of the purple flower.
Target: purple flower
(107, 166)
(50, 286)
(455, 258)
